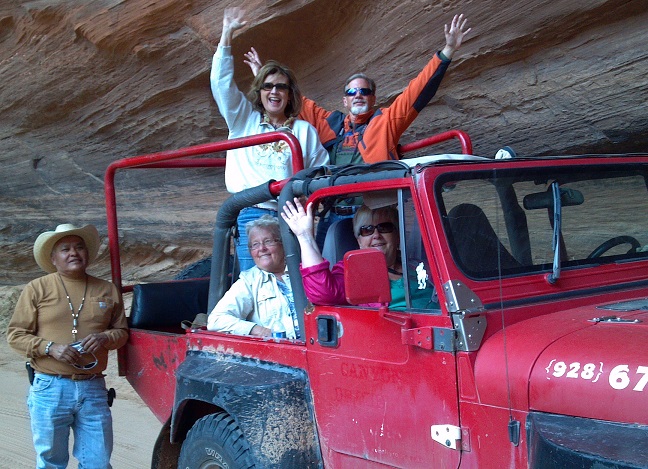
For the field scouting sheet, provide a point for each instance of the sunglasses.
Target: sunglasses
(362, 91)
(280, 86)
(87, 361)
(368, 230)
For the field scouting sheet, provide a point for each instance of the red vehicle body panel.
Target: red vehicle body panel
(527, 341)
(608, 376)
(152, 373)
(371, 391)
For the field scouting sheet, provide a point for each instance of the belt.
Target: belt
(342, 210)
(80, 377)
(76, 377)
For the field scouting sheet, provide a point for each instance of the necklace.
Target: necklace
(75, 316)
(394, 271)
(287, 125)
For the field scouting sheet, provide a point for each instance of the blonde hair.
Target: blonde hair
(364, 216)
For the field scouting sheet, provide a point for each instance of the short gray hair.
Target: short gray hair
(266, 222)
(372, 84)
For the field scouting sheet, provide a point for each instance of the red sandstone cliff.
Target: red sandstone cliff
(85, 82)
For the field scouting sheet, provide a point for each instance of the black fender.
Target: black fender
(566, 441)
(271, 404)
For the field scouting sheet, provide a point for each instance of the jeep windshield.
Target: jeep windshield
(517, 221)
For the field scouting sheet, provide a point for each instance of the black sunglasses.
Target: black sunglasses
(368, 230)
(280, 86)
(362, 91)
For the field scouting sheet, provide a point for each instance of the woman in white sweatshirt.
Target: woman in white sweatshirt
(272, 104)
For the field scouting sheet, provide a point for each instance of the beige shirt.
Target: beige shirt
(253, 299)
(43, 314)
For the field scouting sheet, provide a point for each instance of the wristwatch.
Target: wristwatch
(47, 347)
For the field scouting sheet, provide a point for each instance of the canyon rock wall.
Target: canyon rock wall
(86, 82)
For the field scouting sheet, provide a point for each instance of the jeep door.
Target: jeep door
(382, 394)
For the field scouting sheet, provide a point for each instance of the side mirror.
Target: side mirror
(365, 277)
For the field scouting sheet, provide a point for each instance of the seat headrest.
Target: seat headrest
(476, 243)
(339, 240)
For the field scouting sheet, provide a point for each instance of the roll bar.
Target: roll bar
(179, 159)
(463, 137)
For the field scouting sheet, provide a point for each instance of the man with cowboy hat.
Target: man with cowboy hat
(65, 323)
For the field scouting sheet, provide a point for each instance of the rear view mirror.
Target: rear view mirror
(365, 277)
(544, 200)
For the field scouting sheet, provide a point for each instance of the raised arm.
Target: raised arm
(382, 136)
(322, 286)
(301, 224)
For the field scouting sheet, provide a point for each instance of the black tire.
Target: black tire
(215, 442)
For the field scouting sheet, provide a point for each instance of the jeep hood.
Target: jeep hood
(570, 364)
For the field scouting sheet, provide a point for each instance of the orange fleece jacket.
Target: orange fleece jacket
(380, 138)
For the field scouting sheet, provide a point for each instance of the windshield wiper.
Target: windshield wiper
(555, 275)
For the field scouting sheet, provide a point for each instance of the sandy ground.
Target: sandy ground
(135, 426)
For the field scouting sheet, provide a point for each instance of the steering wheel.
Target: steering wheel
(616, 241)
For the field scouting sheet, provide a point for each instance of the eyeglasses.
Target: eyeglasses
(280, 86)
(362, 91)
(368, 230)
(265, 243)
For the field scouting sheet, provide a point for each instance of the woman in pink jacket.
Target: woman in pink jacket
(376, 229)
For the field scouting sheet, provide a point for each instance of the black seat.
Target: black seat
(163, 306)
(339, 240)
(476, 244)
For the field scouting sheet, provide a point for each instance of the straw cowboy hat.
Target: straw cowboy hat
(46, 241)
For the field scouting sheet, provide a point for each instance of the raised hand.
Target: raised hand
(455, 34)
(301, 224)
(232, 20)
(253, 60)
(299, 221)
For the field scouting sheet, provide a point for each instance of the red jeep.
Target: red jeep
(531, 349)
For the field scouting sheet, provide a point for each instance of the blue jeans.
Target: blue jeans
(57, 405)
(247, 215)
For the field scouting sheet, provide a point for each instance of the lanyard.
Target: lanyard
(75, 316)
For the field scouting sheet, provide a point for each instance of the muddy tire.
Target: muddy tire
(215, 442)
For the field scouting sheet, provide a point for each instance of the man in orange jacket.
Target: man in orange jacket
(366, 134)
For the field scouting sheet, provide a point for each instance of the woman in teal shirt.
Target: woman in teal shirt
(376, 229)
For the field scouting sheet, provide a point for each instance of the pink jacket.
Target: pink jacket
(324, 286)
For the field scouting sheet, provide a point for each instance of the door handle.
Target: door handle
(327, 330)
